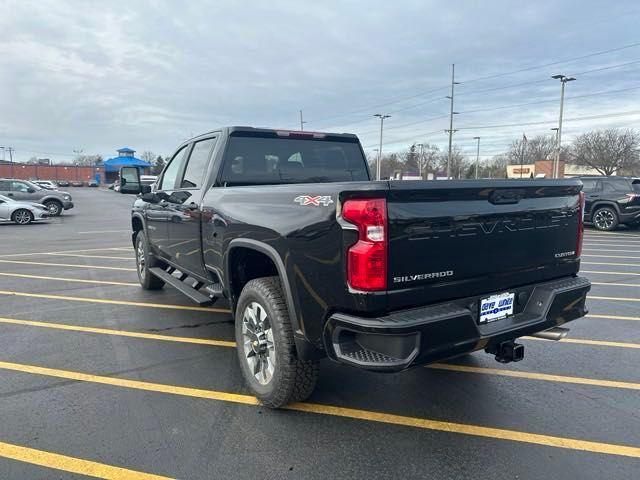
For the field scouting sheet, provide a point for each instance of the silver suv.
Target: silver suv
(25, 191)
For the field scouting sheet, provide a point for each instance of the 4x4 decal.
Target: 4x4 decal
(324, 200)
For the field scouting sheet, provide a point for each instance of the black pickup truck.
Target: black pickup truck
(316, 259)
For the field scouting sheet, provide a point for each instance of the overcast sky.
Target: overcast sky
(100, 75)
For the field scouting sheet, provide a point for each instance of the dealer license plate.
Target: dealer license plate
(496, 307)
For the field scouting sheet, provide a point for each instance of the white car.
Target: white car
(21, 213)
(47, 184)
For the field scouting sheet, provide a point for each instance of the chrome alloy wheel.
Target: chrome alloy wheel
(22, 217)
(259, 349)
(140, 260)
(604, 219)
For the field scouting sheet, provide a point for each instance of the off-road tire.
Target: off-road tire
(148, 280)
(293, 379)
(605, 219)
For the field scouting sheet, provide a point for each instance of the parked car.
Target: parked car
(21, 213)
(611, 201)
(25, 191)
(77, 183)
(63, 183)
(92, 183)
(46, 184)
(317, 260)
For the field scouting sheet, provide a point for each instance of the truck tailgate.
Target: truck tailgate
(460, 238)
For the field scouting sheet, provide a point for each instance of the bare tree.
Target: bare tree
(541, 147)
(148, 157)
(607, 151)
(158, 165)
(87, 160)
(458, 165)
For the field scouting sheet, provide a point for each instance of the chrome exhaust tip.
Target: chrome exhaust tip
(555, 333)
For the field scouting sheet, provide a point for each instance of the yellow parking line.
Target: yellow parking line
(612, 256)
(343, 412)
(72, 464)
(536, 376)
(615, 299)
(116, 302)
(616, 284)
(91, 256)
(70, 265)
(65, 279)
(592, 234)
(609, 250)
(120, 333)
(609, 273)
(613, 264)
(64, 251)
(584, 341)
(612, 317)
(598, 244)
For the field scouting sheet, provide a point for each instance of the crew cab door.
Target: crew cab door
(157, 212)
(183, 209)
(22, 191)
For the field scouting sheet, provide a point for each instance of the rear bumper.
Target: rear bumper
(429, 334)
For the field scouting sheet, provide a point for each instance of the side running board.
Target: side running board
(179, 284)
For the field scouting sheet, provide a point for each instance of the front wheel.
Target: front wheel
(54, 207)
(605, 219)
(22, 217)
(144, 262)
(266, 349)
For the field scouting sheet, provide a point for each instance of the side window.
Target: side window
(19, 187)
(589, 185)
(616, 186)
(170, 174)
(197, 164)
(4, 186)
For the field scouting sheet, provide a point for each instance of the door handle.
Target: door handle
(192, 206)
(9, 194)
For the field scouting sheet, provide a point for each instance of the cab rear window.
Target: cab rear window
(268, 161)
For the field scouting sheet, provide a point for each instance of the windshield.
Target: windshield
(260, 161)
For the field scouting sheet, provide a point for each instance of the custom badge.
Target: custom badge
(324, 200)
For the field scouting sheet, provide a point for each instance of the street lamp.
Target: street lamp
(563, 79)
(477, 155)
(378, 166)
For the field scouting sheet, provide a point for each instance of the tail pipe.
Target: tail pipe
(555, 333)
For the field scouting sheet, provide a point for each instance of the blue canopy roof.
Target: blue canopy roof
(125, 150)
(114, 164)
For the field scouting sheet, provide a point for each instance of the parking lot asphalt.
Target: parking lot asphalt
(101, 378)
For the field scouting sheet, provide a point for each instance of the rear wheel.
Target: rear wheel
(22, 216)
(266, 349)
(54, 207)
(144, 262)
(605, 219)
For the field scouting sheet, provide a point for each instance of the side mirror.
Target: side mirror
(130, 180)
(31, 190)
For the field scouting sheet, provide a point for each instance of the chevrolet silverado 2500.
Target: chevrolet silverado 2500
(317, 260)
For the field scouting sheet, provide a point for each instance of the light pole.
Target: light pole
(477, 155)
(563, 79)
(420, 166)
(302, 122)
(451, 114)
(381, 116)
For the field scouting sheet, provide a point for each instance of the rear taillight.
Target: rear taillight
(580, 224)
(367, 258)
